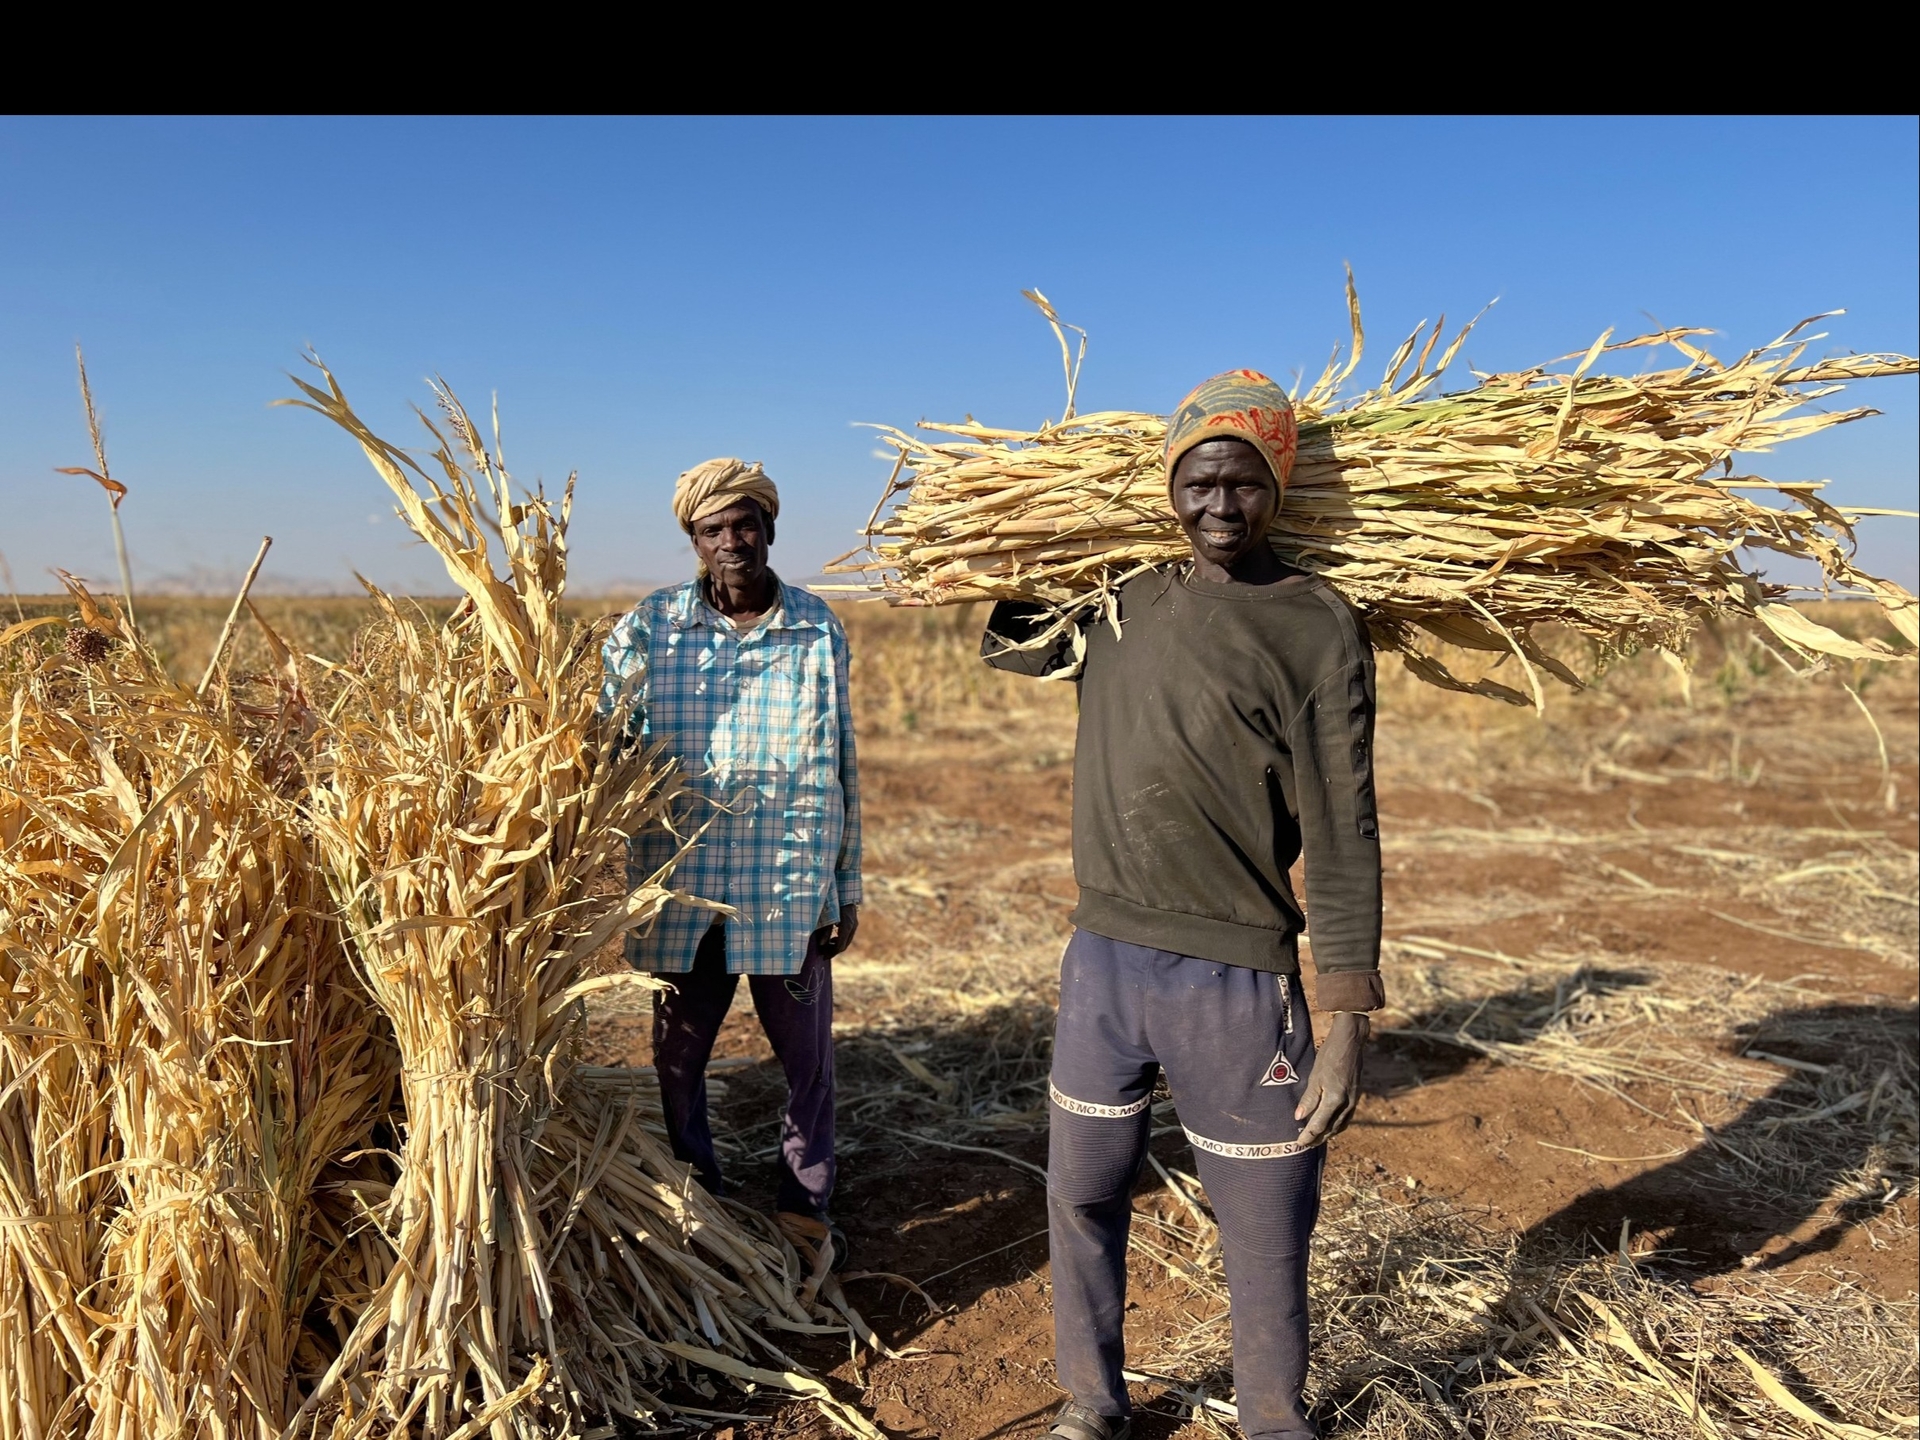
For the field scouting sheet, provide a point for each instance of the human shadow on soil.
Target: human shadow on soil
(1429, 1048)
(1825, 1140)
(1828, 1143)
(910, 1091)
(921, 1191)
(1815, 1155)
(1818, 1153)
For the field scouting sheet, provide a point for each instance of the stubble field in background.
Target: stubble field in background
(1638, 1150)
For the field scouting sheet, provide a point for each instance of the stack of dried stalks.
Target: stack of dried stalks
(1579, 498)
(291, 1138)
(183, 1055)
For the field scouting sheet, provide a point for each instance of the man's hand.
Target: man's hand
(837, 939)
(1333, 1089)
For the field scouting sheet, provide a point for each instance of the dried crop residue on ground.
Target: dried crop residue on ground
(1638, 1150)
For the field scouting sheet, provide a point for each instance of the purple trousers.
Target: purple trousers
(796, 1012)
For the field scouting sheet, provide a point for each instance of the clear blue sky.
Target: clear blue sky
(644, 294)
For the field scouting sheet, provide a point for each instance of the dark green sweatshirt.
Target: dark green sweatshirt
(1225, 731)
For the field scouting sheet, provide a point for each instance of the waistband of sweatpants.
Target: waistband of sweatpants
(1221, 941)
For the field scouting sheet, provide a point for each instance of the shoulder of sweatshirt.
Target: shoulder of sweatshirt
(1317, 642)
(1341, 627)
(1149, 583)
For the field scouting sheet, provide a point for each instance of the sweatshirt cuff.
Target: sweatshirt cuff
(1349, 990)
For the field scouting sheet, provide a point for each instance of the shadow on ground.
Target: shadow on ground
(918, 1106)
(1826, 1144)
(1841, 1119)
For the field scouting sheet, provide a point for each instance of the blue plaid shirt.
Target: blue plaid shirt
(762, 726)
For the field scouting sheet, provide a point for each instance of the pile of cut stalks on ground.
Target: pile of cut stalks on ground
(1605, 503)
(293, 1140)
(1432, 1320)
(1433, 1324)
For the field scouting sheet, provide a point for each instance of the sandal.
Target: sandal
(1083, 1422)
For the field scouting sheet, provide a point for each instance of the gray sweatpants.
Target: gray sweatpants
(1236, 1045)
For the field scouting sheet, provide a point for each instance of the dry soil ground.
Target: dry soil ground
(1645, 1102)
(1652, 975)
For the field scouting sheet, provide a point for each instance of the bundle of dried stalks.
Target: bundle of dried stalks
(249, 950)
(1468, 518)
(184, 1052)
(546, 1249)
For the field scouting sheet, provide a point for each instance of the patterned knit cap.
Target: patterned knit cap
(1239, 405)
(715, 485)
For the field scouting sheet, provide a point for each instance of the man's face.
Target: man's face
(1226, 499)
(733, 544)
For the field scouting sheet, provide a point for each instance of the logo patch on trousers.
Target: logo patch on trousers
(805, 991)
(1280, 1071)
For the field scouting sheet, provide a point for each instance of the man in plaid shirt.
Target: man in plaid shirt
(743, 680)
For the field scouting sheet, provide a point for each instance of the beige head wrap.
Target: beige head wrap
(716, 484)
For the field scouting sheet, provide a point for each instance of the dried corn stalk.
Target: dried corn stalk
(1578, 498)
(56, 1145)
(184, 1054)
(247, 952)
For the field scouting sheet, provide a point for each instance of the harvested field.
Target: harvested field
(1638, 1155)
(1646, 1103)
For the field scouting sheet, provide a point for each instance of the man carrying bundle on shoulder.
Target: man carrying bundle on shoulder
(743, 679)
(1225, 731)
